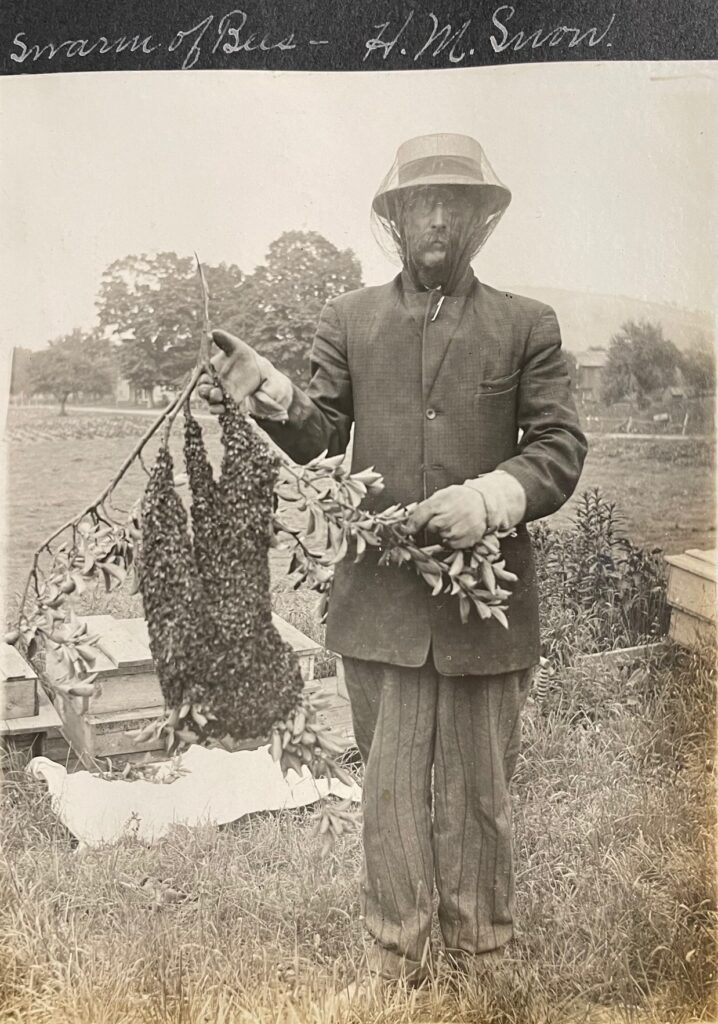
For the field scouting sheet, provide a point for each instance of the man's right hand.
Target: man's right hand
(246, 377)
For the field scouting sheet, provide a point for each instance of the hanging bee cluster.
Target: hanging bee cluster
(222, 666)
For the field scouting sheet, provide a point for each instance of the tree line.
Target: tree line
(149, 318)
(643, 363)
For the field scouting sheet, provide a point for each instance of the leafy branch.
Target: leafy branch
(335, 525)
(97, 511)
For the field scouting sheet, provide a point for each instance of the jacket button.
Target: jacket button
(431, 414)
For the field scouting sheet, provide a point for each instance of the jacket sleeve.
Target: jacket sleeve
(553, 447)
(320, 418)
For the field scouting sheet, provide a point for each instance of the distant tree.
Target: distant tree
(698, 366)
(640, 362)
(21, 373)
(281, 301)
(74, 364)
(153, 305)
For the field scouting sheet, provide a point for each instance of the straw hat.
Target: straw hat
(442, 159)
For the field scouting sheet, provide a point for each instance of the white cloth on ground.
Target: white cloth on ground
(216, 787)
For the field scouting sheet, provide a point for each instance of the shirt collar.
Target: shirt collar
(464, 286)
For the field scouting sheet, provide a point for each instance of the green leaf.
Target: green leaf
(499, 616)
(435, 581)
(457, 564)
(339, 552)
(491, 542)
(371, 539)
(488, 576)
(88, 655)
(115, 572)
(354, 492)
(280, 524)
(311, 522)
(504, 574)
(483, 609)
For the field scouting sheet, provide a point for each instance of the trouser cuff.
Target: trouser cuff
(464, 960)
(487, 942)
(393, 966)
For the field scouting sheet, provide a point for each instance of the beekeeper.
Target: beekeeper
(459, 396)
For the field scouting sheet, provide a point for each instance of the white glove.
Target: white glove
(504, 498)
(248, 378)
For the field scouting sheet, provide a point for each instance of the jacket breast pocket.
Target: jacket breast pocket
(495, 409)
(499, 385)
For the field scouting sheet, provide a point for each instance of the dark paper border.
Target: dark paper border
(55, 36)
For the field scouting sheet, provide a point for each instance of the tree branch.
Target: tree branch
(167, 415)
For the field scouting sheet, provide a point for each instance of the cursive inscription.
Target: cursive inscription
(229, 34)
(567, 35)
(78, 47)
(417, 36)
(428, 36)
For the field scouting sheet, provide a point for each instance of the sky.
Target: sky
(612, 168)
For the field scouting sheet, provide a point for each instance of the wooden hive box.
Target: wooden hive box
(28, 736)
(84, 737)
(130, 696)
(18, 685)
(305, 649)
(692, 597)
(126, 671)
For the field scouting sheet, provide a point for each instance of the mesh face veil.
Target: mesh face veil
(446, 171)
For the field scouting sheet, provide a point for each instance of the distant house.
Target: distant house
(676, 393)
(590, 366)
(127, 393)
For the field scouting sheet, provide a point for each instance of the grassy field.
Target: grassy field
(614, 814)
(666, 491)
(614, 811)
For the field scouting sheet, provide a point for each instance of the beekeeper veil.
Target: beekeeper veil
(450, 169)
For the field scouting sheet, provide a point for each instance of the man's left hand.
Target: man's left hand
(456, 513)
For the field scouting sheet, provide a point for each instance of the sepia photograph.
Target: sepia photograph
(359, 554)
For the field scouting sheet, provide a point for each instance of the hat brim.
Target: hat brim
(490, 198)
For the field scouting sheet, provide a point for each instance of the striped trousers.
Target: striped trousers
(456, 739)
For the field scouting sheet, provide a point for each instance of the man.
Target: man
(458, 395)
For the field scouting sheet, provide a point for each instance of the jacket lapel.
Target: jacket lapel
(438, 337)
(437, 319)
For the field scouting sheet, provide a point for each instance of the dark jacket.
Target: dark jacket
(434, 402)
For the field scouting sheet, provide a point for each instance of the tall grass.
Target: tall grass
(614, 811)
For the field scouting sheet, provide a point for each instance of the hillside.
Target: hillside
(589, 320)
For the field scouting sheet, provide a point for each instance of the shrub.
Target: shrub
(598, 590)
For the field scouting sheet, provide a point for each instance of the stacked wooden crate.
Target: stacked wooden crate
(24, 716)
(83, 730)
(129, 694)
(129, 697)
(18, 685)
(692, 596)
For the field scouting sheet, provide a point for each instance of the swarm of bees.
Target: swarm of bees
(206, 591)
